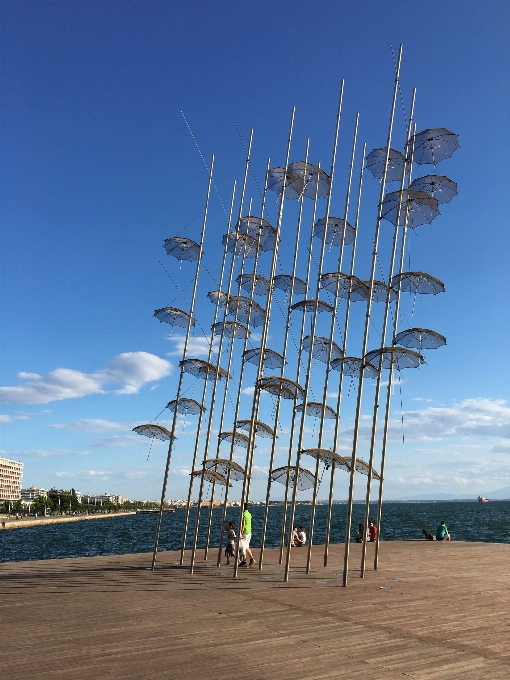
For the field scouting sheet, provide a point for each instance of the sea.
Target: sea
(466, 521)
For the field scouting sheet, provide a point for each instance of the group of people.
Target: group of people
(442, 533)
(369, 535)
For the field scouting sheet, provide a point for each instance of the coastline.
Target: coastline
(8, 523)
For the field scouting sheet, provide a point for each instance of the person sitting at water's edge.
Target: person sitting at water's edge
(301, 536)
(360, 536)
(244, 543)
(294, 540)
(442, 533)
(372, 532)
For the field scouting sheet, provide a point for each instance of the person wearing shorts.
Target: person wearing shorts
(442, 532)
(244, 543)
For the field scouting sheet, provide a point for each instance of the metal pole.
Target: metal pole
(330, 349)
(284, 356)
(407, 168)
(367, 327)
(263, 342)
(204, 392)
(344, 349)
(211, 410)
(312, 334)
(188, 331)
(390, 381)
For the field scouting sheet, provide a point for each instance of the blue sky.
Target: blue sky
(99, 168)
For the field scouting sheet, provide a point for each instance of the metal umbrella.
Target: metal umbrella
(438, 186)
(420, 338)
(416, 207)
(245, 281)
(271, 359)
(329, 458)
(345, 284)
(351, 366)
(284, 282)
(399, 357)
(182, 248)
(246, 310)
(321, 348)
(287, 474)
(380, 291)
(224, 465)
(243, 245)
(294, 184)
(154, 432)
(257, 227)
(376, 160)
(418, 282)
(433, 145)
(186, 406)
(211, 476)
(261, 429)
(281, 387)
(363, 468)
(218, 297)
(174, 316)
(235, 438)
(335, 231)
(203, 369)
(230, 329)
(314, 408)
(309, 306)
(315, 179)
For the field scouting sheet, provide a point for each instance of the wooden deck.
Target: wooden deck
(447, 615)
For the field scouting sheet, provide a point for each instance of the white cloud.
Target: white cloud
(248, 390)
(101, 475)
(43, 453)
(197, 347)
(126, 440)
(132, 370)
(94, 425)
(10, 419)
(504, 447)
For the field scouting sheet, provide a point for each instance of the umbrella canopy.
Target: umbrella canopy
(245, 281)
(376, 161)
(186, 406)
(362, 467)
(237, 438)
(432, 145)
(211, 476)
(246, 309)
(438, 186)
(380, 291)
(271, 358)
(154, 432)
(418, 282)
(419, 207)
(328, 457)
(294, 184)
(230, 329)
(243, 245)
(284, 282)
(261, 429)
(398, 357)
(309, 306)
(347, 284)
(256, 227)
(321, 348)
(287, 475)
(420, 338)
(224, 465)
(351, 366)
(203, 369)
(174, 316)
(218, 296)
(182, 248)
(314, 408)
(309, 174)
(281, 387)
(335, 231)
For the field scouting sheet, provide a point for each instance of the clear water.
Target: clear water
(467, 521)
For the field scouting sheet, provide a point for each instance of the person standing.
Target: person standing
(372, 532)
(244, 543)
(231, 542)
(442, 533)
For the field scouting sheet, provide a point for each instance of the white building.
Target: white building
(102, 498)
(11, 476)
(32, 492)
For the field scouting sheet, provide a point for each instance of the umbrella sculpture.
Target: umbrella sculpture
(260, 230)
(284, 282)
(174, 317)
(416, 207)
(182, 248)
(433, 145)
(294, 184)
(287, 475)
(376, 163)
(315, 179)
(335, 231)
(186, 406)
(439, 187)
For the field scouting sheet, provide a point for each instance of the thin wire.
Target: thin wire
(212, 277)
(251, 167)
(150, 447)
(204, 162)
(400, 91)
(189, 223)
(189, 284)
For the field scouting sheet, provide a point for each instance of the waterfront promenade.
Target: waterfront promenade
(12, 523)
(447, 615)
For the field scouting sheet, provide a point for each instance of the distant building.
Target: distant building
(32, 492)
(102, 498)
(11, 476)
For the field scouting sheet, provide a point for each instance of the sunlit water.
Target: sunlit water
(467, 521)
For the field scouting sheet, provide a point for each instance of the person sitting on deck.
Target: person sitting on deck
(442, 532)
(427, 535)
(372, 532)
(360, 536)
(294, 537)
(301, 536)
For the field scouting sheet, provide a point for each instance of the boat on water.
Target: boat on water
(153, 511)
(481, 499)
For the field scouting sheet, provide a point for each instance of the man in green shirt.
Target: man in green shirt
(244, 543)
(442, 532)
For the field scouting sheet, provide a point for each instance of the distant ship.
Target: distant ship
(481, 499)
